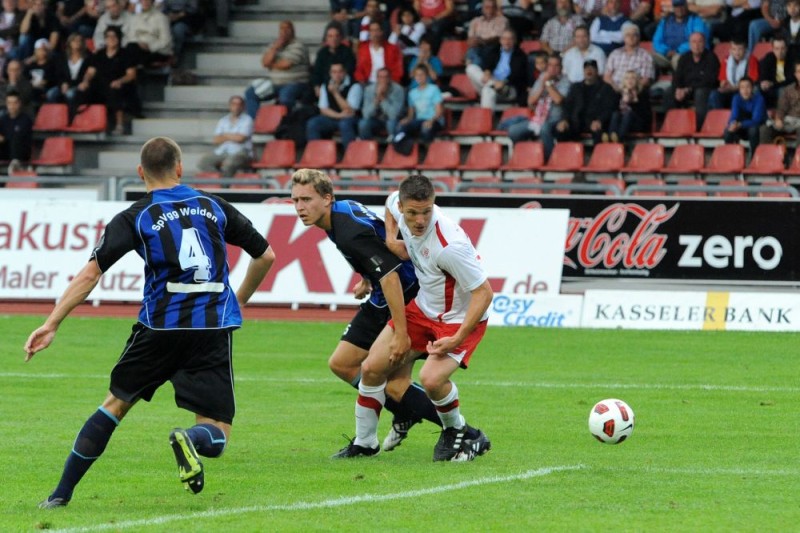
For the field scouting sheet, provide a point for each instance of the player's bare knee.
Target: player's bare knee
(432, 381)
(342, 369)
(372, 372)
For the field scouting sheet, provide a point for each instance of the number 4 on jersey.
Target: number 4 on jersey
(192, 256)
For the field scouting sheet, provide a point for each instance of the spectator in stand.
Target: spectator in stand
(748, 114)
(484, 32)
(606, 29)
(740, 14)
(576, 56)
(589, 9)
(185, 20)
(150, 38)
(345, 11)
(588, 107)
(70, 69)
(426, 59)
(790, 28)
(739, 64)
(425, 115)
(634, 114)
(545, 100)
(339, 101)
(111, 80)
(787, 114)
(696, 76)
(774, 13)
(712, 12)
(77, 16)
(630, 57)
(233, 138)
(439, 19)
(505, 76)
(557, 32)
(10, 19)
(114, 15)
(359, 27)
(639, 12)
(16, 134)
(40, 69)
(521, 16)
(287, 64)
(382, 107)
(672, 35)
(385, 54)
(775, 71)
(38, 23)
(408, 32)
(332, 51)
(17, 82)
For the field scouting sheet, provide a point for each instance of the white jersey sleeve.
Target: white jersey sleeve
(393, 205)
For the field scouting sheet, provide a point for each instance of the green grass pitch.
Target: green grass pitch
(714, 449)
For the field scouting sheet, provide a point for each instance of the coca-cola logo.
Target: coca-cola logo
(621, 235)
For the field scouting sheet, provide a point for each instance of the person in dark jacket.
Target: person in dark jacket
(633, 115)
(587, 107)
(16, 133)
(696, 76)
(504, 75)
(775, 71)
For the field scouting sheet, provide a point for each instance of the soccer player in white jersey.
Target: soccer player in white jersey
(447, 319)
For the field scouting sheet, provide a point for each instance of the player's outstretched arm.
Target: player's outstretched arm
(76, 292)
(256, 272)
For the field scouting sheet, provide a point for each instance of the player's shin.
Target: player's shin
(449, 410)
(368, 410)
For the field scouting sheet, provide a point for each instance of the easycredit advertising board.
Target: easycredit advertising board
(43, 243)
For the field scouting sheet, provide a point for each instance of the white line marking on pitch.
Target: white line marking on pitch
(335, 502)
(478, 383)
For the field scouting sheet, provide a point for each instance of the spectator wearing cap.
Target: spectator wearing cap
(40, 69)
(672, 34)
(588, 107)
(38, 23)
(630, 57)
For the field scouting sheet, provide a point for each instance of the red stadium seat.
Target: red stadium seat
(774, 193)
(448, 183)
(93, 119)
(761, 49)
(714, 124)
(566, 157)
(530, 45)
(645, 159)
(277, 154)
(529, 180)
(483, 156)
(650, 182)
(319, 153)
(51, 117)
(606, 158)
(452, 52)
(685, 159)
(360, 154)
(364, 182)
(442, 155)
(690, 183)
(483, 180)
(474, 121)
(392, 160)
(207, 175)
(678, 123)
(767, 160)
(722, 49)
(731, 194)
(461, 83)
(243, 178)
(268, 118)
(528, 156)
(56, 152)
(612, 184)
(726, 159)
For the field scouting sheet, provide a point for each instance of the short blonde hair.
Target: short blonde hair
(310, 176)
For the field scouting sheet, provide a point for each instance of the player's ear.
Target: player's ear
(179, 169)
(140, 171)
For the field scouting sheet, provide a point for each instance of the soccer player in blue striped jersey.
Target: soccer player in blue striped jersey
(360, 236)
(189, 310)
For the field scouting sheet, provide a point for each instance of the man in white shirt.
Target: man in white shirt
(114, 15)
(233, 137)
(446, 320)
(581, 51)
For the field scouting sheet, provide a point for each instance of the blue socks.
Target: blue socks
(89, 445)
(208, 439)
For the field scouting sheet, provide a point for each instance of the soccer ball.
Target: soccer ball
(611, 421)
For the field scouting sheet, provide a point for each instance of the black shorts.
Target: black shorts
(196, 361)
(366, 325)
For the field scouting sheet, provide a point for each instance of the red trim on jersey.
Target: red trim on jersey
(370, 403)
(449, 290)
(442, 240)
(447, 408)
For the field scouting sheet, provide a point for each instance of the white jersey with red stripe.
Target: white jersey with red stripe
(448, 266)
